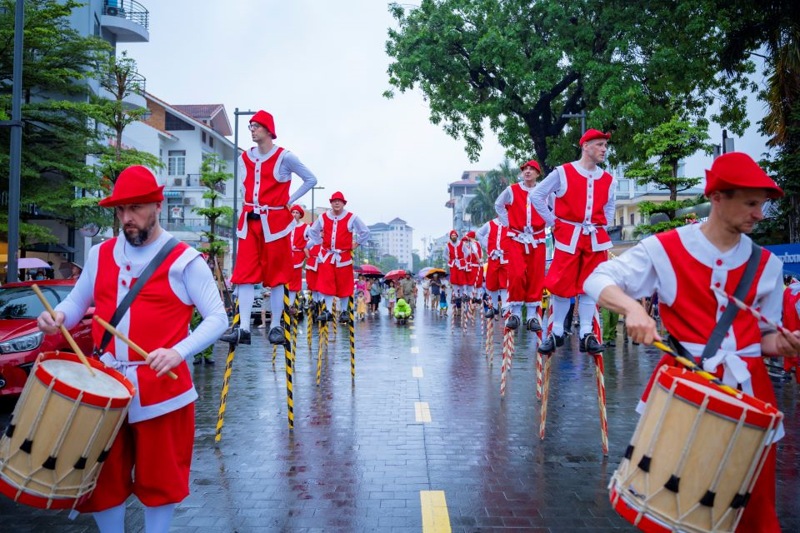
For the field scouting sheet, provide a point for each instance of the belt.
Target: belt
(253, 216)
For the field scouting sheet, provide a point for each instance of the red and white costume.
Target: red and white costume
(791, 320)
(454, 263)
(336, 235)
(158, 436)
(583, 206)
(524, 243)
(299, 241)
(265, 224)
(491, 236)
(683, 266)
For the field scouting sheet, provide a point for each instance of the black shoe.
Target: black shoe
(549, 345)
(534, 324)
(489, 313)
(324, 316)
(344, 317)
(512, 322)
(197, 359)
(610, 344)
(236, 336)
(208, 360)
(275, 336)
(589, 343)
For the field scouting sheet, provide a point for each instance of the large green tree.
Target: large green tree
(58, 119)
(518, 67)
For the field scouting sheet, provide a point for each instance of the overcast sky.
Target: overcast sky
(320, 68)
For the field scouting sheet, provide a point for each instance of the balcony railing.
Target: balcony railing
(128, 9)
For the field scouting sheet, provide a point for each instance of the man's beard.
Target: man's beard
(142, 234)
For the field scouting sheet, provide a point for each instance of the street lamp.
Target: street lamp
(581, 115)
(312, 201)
(236, 114)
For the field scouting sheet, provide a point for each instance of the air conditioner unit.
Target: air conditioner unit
(188, 201)
(112, 11)
(177, 182)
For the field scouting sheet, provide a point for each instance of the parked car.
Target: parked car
(20, 339)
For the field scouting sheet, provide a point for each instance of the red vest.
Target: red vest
(521, 213)
(156, 318)
(337, 240)
(494, 244)
(694, 313)
(299, 242)
(264, 194)
(451, 254)
(313, 253)
(583, 202)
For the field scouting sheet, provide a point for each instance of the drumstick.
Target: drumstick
(64, 330)
(697, 369)
(135, 347)
(744, 307)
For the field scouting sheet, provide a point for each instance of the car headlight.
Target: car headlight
(25, 343)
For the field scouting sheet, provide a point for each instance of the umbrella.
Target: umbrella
(424, 272)
(432, 271)
(394, 275)
(368, 271)
(31, 262)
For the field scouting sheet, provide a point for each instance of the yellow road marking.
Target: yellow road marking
(422, 411)
(435, 518)
(415, 349)
(416, 371)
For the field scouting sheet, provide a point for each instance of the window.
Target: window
(176, 162)
(632, 222)
(203, 136)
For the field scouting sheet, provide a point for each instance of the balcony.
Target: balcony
(127, 20)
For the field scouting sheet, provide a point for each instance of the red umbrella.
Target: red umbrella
(368, 270)
(394, 275)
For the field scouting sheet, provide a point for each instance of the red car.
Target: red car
(21, 341)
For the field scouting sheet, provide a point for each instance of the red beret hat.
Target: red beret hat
(736, 170)
(266, 120)
(135, 185)
(533, 164)
(298, 209)
(453, 232)
(470, 235)
(338, 196)
(591, 135)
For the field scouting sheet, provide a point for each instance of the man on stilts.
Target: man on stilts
(491, 236)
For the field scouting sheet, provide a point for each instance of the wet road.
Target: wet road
(363, 455)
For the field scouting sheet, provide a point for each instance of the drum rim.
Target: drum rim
(72, 392)
(32, 499)
(758, 413)
(627, 511)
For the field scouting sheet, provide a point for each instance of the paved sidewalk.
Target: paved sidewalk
(359, 458)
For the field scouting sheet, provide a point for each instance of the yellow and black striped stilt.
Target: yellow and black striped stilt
(323, 327)
(295, 325)
(335, 313)
(351, 325)
(310, 319)
(226, 379)
(289, 359)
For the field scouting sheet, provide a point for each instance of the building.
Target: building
(461, 193)
(393, 238)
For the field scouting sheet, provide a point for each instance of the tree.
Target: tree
(58, 130)
(120, 78)
(490, 185)
(662, 151)
(213, 176)
(517, 67)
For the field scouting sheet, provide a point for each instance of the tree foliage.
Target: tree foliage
(58, 130)
(517, 67)
(490, 185)
(213, 176)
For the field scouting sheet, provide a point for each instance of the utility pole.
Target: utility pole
(15, 154)
(236, 114)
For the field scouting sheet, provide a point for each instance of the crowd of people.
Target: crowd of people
(156, 283)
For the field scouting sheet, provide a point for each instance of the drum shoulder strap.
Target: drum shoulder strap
(725, 321)
(135, 289)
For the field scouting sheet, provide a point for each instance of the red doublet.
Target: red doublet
(456, 273)
(690, 318)
(525, 244)
(157, 439)
(791, 321)
(299, 242)
(335, 259)
(497, 264)
(581, 239)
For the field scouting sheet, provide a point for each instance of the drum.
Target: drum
(61, 430)
(694, 456)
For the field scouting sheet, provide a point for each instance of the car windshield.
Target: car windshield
(22, 302)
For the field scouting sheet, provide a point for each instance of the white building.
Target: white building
(394, 238)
